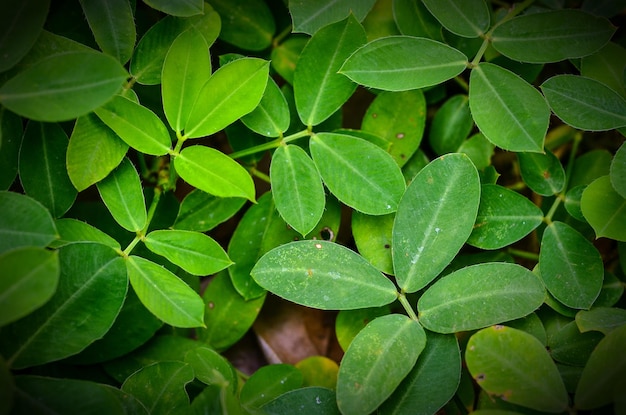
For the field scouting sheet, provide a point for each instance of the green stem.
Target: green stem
(260, 175)
(270, 145)
(281, 36)
(462, 83)
(131, 246)
(142, 233)
(578, 137)
(407, 306)
(523, 254)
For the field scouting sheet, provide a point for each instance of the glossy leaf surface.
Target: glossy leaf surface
(543, 173)
(604, 209)
(22, 23)
(426, 236)
(461, 17)
(508, 111)
(248, 25)
(378, 358)
(271, 117)
(310, 17)
(389, 63)
(269, 382)
(200, 211)
(184, 8)
(303, 401)
(308, 273)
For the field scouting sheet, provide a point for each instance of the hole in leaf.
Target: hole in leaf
(387, 246)
(480, 377)
(327, 234)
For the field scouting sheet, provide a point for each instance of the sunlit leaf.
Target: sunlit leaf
(182, 8)
(248, 25)
(543, 173)
(22, 23)
(319, 371)
(461, 17)
(604, 209)
(271, 117)
(309, 17)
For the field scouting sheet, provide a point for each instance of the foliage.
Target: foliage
(445, 179)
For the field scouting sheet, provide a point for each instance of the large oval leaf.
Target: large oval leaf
(378, 358)
(461, 17)
(510, 112)
(309, 17)
(390, 63)
(515, 365)
(359, 173)
(22, 23)
(324, 275)
(604, 209)
(271, 117)
(426, 236)
(63, 87)
(248, 25)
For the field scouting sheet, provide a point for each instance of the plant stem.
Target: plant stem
(255, 172)
(270, 144)
(142, 233)
(570, 165)
(281, 36)
(407, 306)
(523, 254)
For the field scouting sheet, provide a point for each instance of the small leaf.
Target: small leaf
(297, 188)
(271, 117)
(571, 267)
(478, 296)
(360, 174)
(413, 19)
(200, 211)
(22, 23)
(515, 366)
(461, 17)
(510, 112)
(319, 90)
(426, 236)
(184, 8)
(590, 166)
(451, 125)
(164, 294)
(584, 103)
(63, 87)
(232, 91)
(378, 358)
(211, 368)
(247, 25)
(389, 63)
(479, 150)
(543, 173)
(122, 194)
(310, 17)
(373, 236)
(303, 401)
(315, 278)
(195, 252)
(604, 209)
(350, 322)
(319, 371)
(618, 171)
(269, 382)
(551, 36)
(285, 55)
(11, 132)
(213, 172)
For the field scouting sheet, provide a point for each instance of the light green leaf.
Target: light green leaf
(319, 90)
(271, 117)
(618, 171)
(413, 19)
(551, 36)
(451, 125)
(478, 296)
(510, 112)
(297, 188)
(372, 236)
(121, 192)
(359, 173)
(543, 173)
(211, 368)
(350, 322)
(232, 91)
(28, 278)
(571, 267)
(604, 209)
(313, 399)
(90, 293)
(248, 25)
(164, 294)
(389, 63)
(213, 172)
(24, 222)
(195, 252)
(76, 231)
(63, 87)
(584, 103)
(426, 236)
(113, 26)
(181, 8)
(21, 23)
(515, 366)
(378, 358)
(322, 274)
(138, 126)
(200, 211)
(461, 17)
(309, 17)
(42, 167)
(269, 382)
(11, 132)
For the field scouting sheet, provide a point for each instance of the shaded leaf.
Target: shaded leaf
(607, 66)
(22, 23)
(451, 125)
(479, 150)
(372, 236)
(269, 382)
(463, 18)
(413, 19)
(350, 322)
(200, 211)
(603, 208)
(285, 55)
(310, 17)
(319, 371)
(211, 368)
(184, 8)
(618, 171)
(543, 173)
(303, 401)
(248, 25)
(271, 117)
(571, 347)
(11, 132)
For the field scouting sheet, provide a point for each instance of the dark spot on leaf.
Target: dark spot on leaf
(211, 305)
(387, 246)
(546, 174)
(402, 156)
(309, 272)
(480, 377)
(374, 115)
(327, 234)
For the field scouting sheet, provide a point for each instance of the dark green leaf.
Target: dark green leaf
(572, 202)
(451, 125)
(414, 19)
(618, 171)
(285, 55)
(7, 388)
(271, 117)
(603, 319)
(269, 382)
(426, 236)
(479, 150)
(21, 23)
(543, 173)
(248, 25)
(323, 275)
(589, 167)
(372, 236)
(200, 211)
(303, 401)
(182, 8)
(461, 17)
(571, 347)
(607, 66)
(350, 322)
(11, 131)
(603, 208)
(309, 17)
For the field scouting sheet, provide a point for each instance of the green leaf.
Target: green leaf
(21, 23)
(607, 66)
(211, 368)
(160, 387)
(426, 236)
(121, 192)
(451, 125)
(269, 382)
(93, 152)
(200, 211)
(359, 173)
(28, 279)
(90, 293)
(378, 358)
(271, 117)
(195, 252)
(389, 63)
(479, 150)
(618, 171)
(461, 17)
(515, 366)
(297, 188)
(571, 267)
(478, 296)
(184, 8)
(213, 172)
(350, 322)
(399, 118)
(10, 141)
(285, 55)
(303, 401)
(138, 126)
(319, 90)
(113, 27)
(232, 91)
(510, 112)
(186, 69)
(310, 17)
(589, 167)
(551, 36)
(584, 103)
(433, 380)
(7, 388)
(604, 209)
(247, 25)
(63, 87)
(372, 236)
(572, 202)
(24, 222)
(42, 167)
(543, 173)
(164, 294)
(413, 19)
(322, 274)
(76, 231)
(571, 347)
